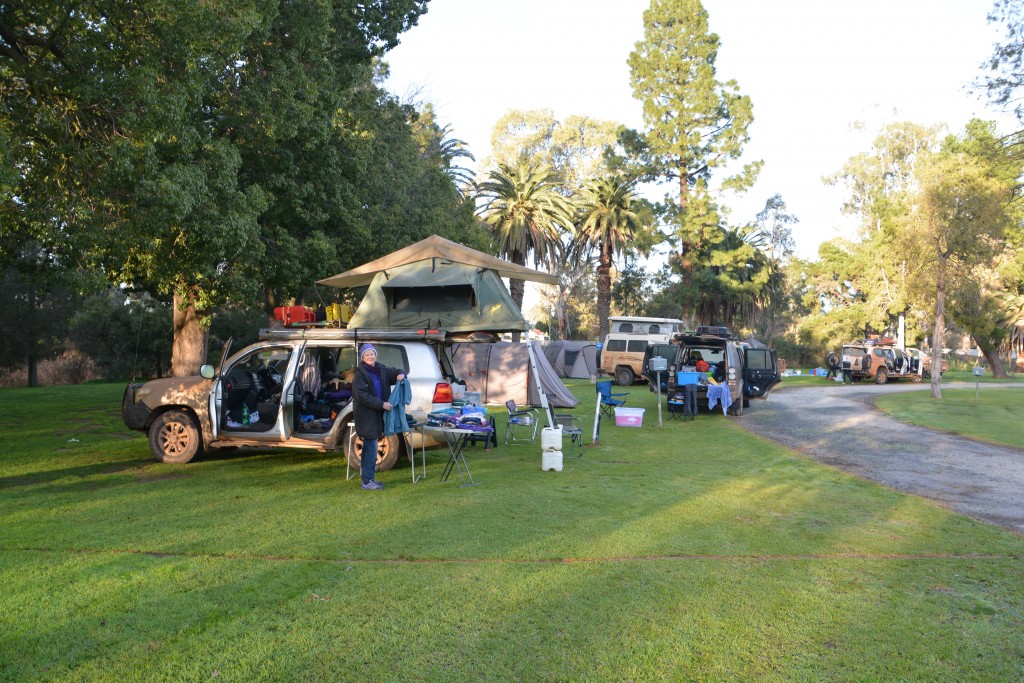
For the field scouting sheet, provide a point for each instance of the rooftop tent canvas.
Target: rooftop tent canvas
(438, 284)
(441, 295)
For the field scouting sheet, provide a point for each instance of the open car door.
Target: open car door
(760, 372)
(217, 388)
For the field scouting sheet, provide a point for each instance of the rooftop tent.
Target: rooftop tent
(439, 284)
(572, 358)
(501, 371)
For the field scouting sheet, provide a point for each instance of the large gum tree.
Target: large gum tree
(696, 124)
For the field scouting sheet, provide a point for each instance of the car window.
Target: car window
(637, 345)
(392, 356)
(707, 354)
(616, 345)
(274, 356)
(759, 359)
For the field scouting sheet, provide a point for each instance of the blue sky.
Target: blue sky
(824, 76)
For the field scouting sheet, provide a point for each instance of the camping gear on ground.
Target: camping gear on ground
(683, 402)
(629, 417)
(573, 359)
(521, 422)
(609, 401)
(501, 373)
(551, 449)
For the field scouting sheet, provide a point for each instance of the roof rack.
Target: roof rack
(368, 334)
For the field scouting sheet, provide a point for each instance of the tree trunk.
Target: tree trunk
(995, 363)
(33, 370)
(517, 288)
(188, 351)
(684, 246)
(604, 290)
(938, 332)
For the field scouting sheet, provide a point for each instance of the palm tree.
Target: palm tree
(610, 224)
(527, 216)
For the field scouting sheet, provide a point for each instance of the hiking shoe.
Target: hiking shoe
(373, 485)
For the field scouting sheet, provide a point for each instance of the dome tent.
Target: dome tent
(574, 359)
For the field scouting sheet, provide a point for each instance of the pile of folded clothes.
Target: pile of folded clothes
(451, 418)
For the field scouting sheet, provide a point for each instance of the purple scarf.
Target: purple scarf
(374, 371)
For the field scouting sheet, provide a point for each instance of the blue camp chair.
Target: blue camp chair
(609, 401)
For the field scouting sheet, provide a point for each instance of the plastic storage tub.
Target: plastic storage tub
(688, 378)
(629, 417)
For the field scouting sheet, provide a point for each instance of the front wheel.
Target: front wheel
(915, 378)
(624, 377)
(882, 376)
(387, 452)
(174, 437)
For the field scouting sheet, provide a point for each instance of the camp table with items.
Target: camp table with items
(456, 439)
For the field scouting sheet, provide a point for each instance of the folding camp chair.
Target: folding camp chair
(521, 421)
(572, 426)
(609, 401)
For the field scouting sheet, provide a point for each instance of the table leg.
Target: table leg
(456, 449)
(412, 456)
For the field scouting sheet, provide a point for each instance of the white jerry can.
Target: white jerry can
(551, 438)
(551, 460)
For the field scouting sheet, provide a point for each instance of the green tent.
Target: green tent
(438, 284)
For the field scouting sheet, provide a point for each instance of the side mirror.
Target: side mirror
(207, 372)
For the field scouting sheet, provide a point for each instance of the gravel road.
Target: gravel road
(838, 425)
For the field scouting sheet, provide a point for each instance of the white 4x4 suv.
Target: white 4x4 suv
(287, 389)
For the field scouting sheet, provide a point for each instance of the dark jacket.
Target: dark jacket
(367, 409)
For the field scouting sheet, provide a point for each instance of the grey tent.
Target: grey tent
(574, 359)
(438, 284)
(501, 371)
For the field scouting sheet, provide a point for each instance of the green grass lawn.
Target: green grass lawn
(992, 415)
(694, 551)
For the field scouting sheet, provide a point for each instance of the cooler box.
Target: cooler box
(551, 439)
(629, 417)
(687, 378)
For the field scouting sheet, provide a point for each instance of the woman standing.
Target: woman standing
(371, 390)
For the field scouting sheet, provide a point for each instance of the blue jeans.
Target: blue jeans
(369, 462)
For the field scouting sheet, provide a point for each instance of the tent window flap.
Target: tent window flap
(420, 299)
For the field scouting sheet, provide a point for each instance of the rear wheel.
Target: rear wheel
(387, 452)
(915, 378)
(882, 376)
(736, 409)
(174, 437)
(624, 377)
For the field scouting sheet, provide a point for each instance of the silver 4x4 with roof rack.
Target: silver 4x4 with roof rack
(748, 371)
(288, 389)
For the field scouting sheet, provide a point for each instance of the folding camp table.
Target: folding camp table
(456, 440)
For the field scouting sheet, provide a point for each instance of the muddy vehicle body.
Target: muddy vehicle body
(292, 388)
(880, 361)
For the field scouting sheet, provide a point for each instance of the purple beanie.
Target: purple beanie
(364, 348)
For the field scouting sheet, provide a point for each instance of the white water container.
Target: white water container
(551, 460)
(551, 439)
